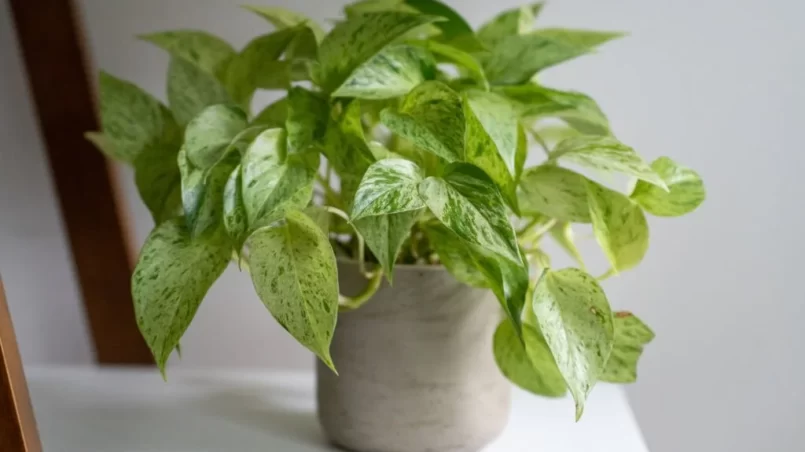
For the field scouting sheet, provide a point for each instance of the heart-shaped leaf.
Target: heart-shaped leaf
(202, 192)
(209, 134)
(530, 366)
(685, 190)
(515, 21)
(631, 334)
(294, 272)
(578, 110)
(192, 89)
(619, 226)
(285, 18)
(556, 192)
(307, 119)
(389, 186)
(172, 276)
(385, 234)
(393, 72)
(517, 58)
(574, 316)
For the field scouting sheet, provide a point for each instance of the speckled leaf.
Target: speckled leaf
(307, 119)
(235, 221)
(516, 59)
(385, 234)
(156, 174)
(456, 256)
(530, 366)
(431, 117)
(203, 50)
(391, 73)
(273, 181)
(353, 42)
(388, 186)
(294, 273)
(606, 154)
(574, 316)
(467, 201)
(578, 110)
(273, 115)
(455, 30)
(131, 119)
(458, 57)
(285, 18)
(582, 38)
(685, 190)
(191, 89)
(556, 192)
(202, 192)
(619, 226)
(631, 334)
(562, 233)
(515, 21)
(173, 274)
(209, 134)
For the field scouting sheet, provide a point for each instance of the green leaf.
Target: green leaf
(208, 135)
(556, 192)
(467, 201)
(631, 334)
(530, 366)
(385, 234)
(307, 119)
(574, 316)
(458, 57)
(294, 272)
(388, 186)
(578, 110)
(391, 73)
(562, 233)
(606, 154)
(202, 193)
(685, 190)
(172, 276)
(235, 221)
(515, 21)
(456, 256)
(432, 118)
(619, 226)
(131, 119)
(285, 18)
(191, 90)
(203, 50)
(346, 149)
(156, 174)
(455, 30)
(274, 182)
(491, 140)
(274, 115)
(581, 38)
(355, 41)
(516, 59)
(103, 144)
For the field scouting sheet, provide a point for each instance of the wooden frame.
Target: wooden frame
(17, 425)
(50, 39)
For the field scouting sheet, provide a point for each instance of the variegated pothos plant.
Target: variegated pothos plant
(401, 138)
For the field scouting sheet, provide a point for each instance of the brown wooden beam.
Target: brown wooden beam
(17, 425)
(51, 42)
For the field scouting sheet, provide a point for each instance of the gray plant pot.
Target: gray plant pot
(416, 370)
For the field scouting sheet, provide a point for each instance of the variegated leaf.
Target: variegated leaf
(355, 41)
(209, 134)
(203, 50)
(308, 113)
(202, 192)
(574, 316)
(159, 183)
(526, 360)
(582, 38)
(458, 57)
(294, 273)
(631, 334)
(273, 181)
(191, 90)
(285, 18)
(606, 154)
(515, 21)
(516, 59)
(172, 276)
(454, 29)
(385, 234)
(235, 221)
(619, 226)
(346, 149)
(456, 255)
(467, 201)
(578, 110)
(388, 186)
(432, 118)
(391, 73)
(273, 115)
(685, 190)
(556, 192)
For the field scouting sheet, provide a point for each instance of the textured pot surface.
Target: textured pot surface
(416, 370)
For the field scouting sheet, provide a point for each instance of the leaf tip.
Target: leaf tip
(579, 411)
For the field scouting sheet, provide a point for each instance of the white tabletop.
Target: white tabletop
(117, 410)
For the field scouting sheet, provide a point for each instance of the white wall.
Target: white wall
(715, 84)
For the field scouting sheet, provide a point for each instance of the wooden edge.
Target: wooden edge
(18, 431)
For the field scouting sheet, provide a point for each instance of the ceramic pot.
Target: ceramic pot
(416, 370)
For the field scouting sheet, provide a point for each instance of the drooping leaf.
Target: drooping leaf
(307, 119)
(458, 57)
(156, 174)
(355, 41)
(556, 192)
(285, 18)
(562, 233)
(173, 274)
(235, 221)
(685, 190)
(388, 186)
(631, 334)
(202, 193)
(294, 272)
(517, 58)
(454, 29)
(456, 256)
(346, 149)
(578, 110)
(191, 90)
(273, 182)
(582, 38)
(431, 117)
(273, 115)
(393, 72)
(467, 201)
(606, 154)
(619, 226)
(574, 316)
(530, 366)
(209, 134)
(385, 234)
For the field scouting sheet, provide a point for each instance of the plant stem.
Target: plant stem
(361, 243)
(349, 303)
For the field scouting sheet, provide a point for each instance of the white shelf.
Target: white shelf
(125, 410)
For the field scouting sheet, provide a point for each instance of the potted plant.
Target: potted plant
(388, 189)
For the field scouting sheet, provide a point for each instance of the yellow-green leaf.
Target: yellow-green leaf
(393, 72)
(209, 134)
(203, 50)
(454, 29)
(619, 226)
(191, 89)
(556, 192)
(385, 234)
(388, 186)
(685, 190)
(515, 21)
(578, 110)
(530, 366)
(346, 149)
(631, 334)
(307, 119)
(285, 18)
